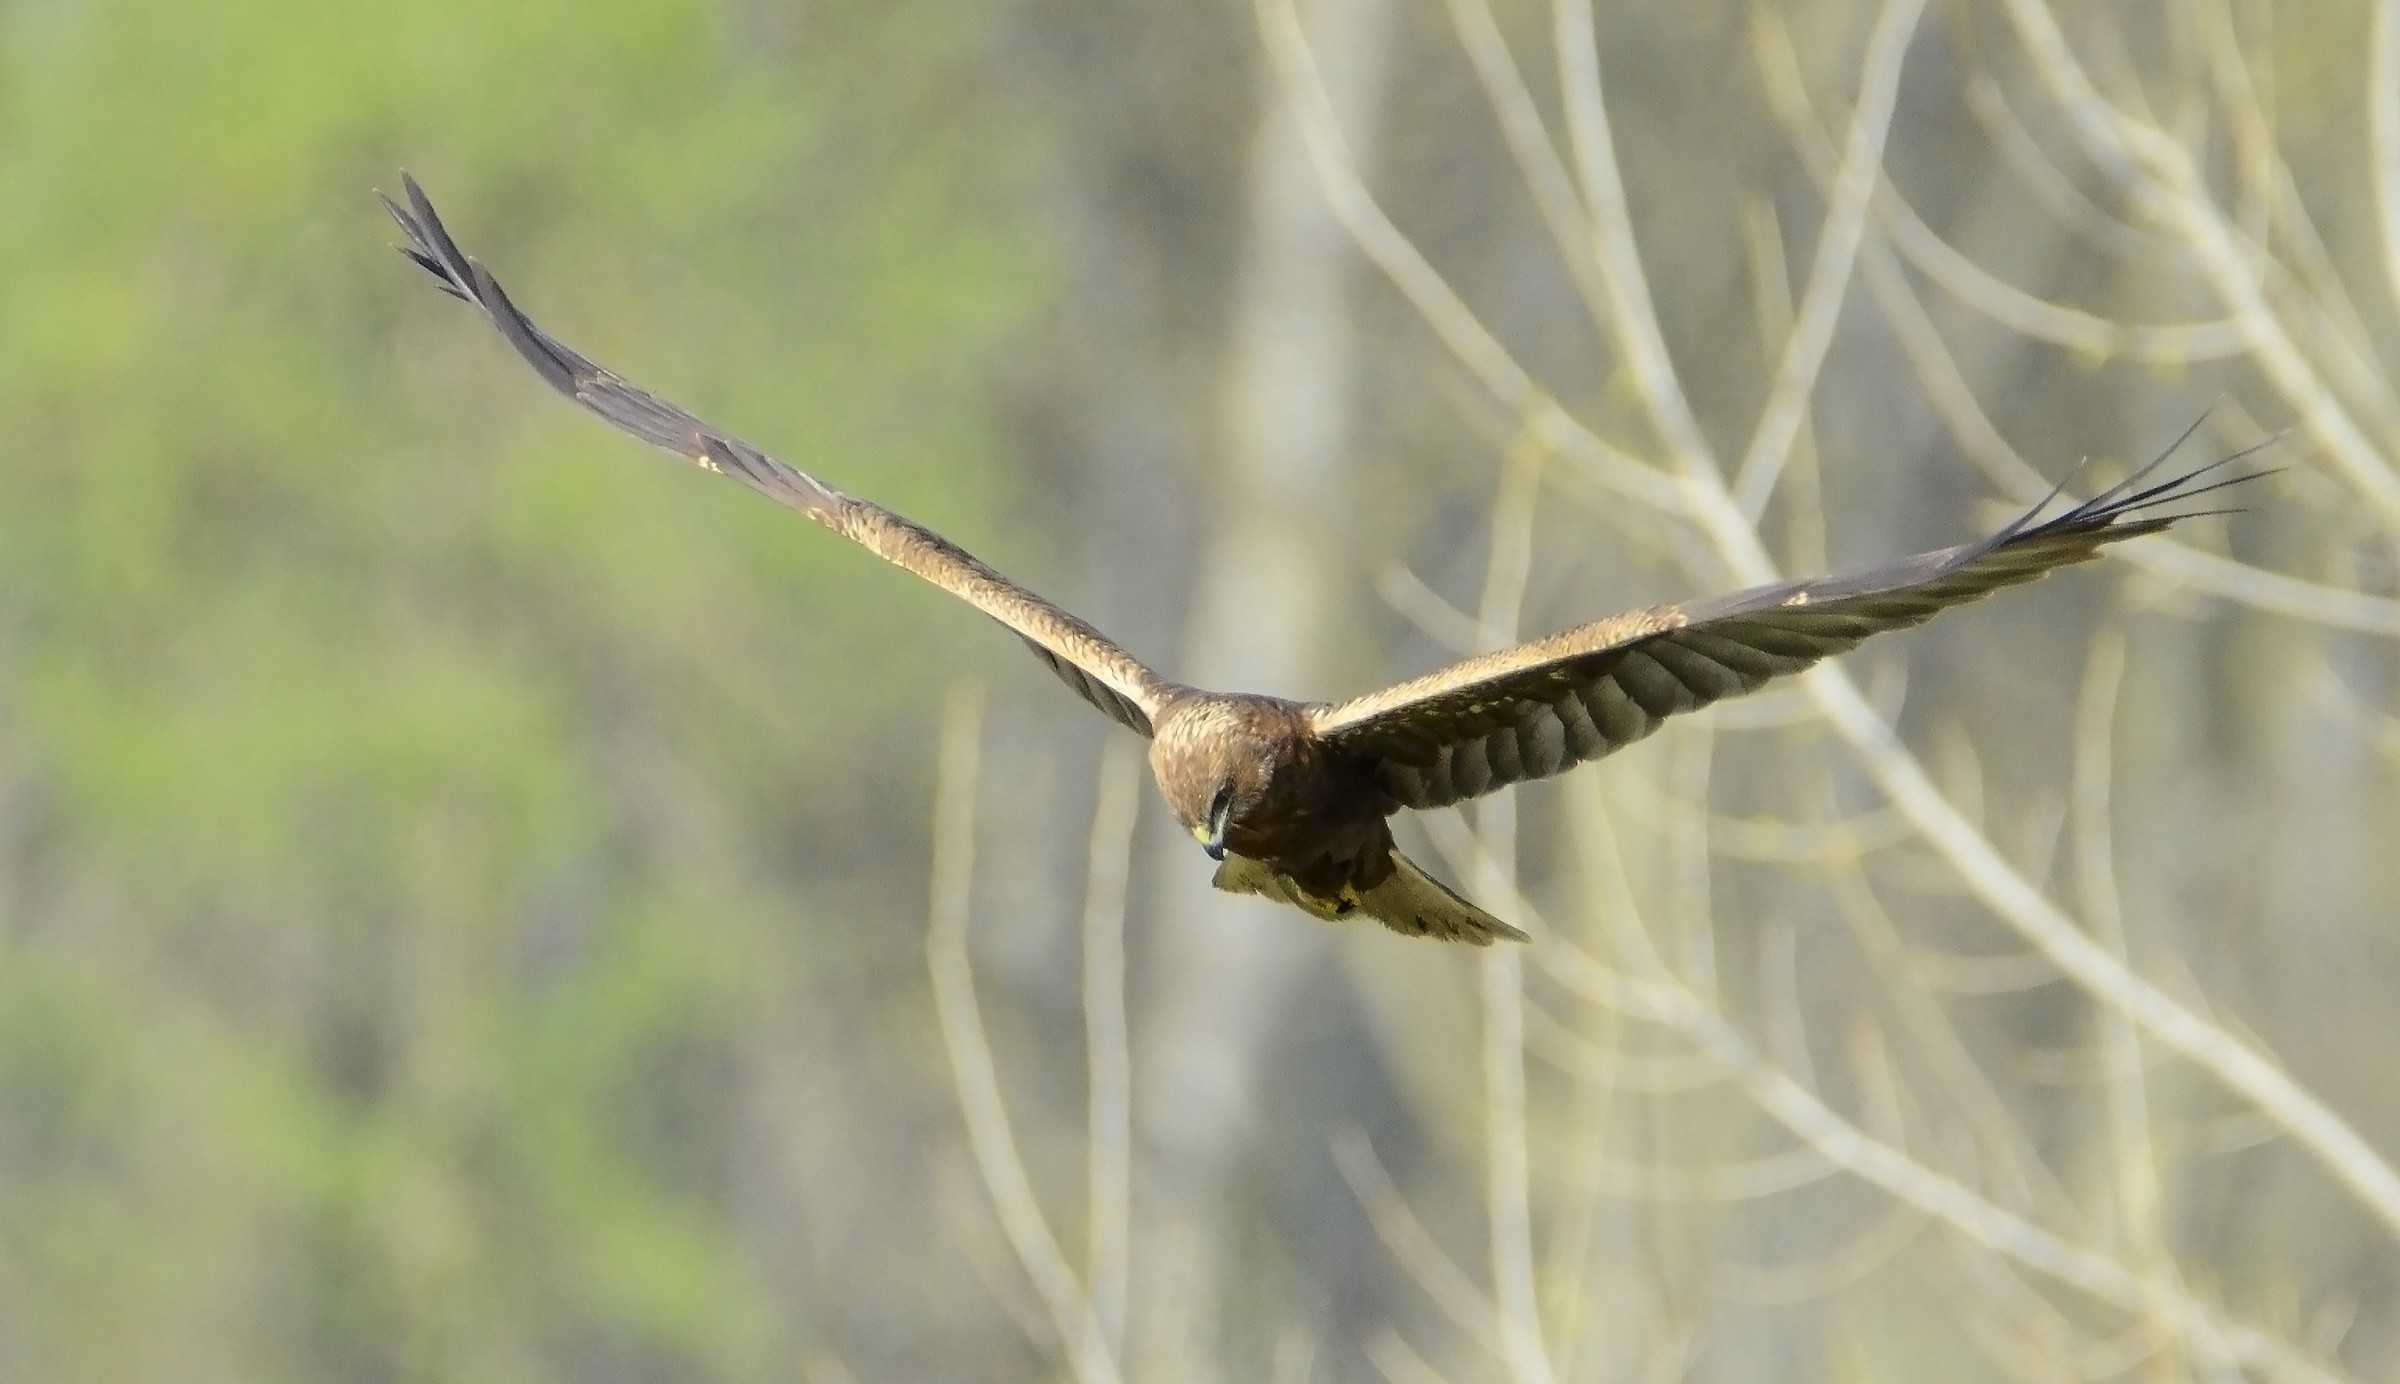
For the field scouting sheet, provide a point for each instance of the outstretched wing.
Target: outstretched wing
(1099, 671)
(1544, 707)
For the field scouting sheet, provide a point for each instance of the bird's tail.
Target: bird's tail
(1410, 902)
(1416, 903)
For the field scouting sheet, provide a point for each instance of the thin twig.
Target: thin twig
(1529, 143)
(1405, 1238)
(1748, 1179)
(1502, 968)
(1633, 318)
(1841, 1267)
(2383, 110)
(1837, 252)
(2169, 187)
(2134, 1156)
(1762, 240)
(2314, 1125)
(1880, 1164)
(1390, 251)
(1110, 1117)
(971, 1067)
(1397, 1361)
(2086, 333)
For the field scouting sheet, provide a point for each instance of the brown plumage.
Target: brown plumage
(1293, 798)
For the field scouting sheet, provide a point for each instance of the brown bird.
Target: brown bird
(1291, 797)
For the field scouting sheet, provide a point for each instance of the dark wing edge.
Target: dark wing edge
(1086, 660)
(1542, 708)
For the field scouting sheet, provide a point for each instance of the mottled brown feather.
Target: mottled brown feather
(1085, 659)
(1542, 708)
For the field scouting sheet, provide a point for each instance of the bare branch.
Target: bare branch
(1406, 1239)
(1110, 1118)
(978, 1083)
(1390, 251)
(2169, 187)
(1878, 1163)
(1837, 251)
(2383, 111)
(1509, 1175)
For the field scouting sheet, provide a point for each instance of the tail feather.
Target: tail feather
(1410, 902)
(1416, 903)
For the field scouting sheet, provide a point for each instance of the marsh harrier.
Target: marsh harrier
(1292, 798)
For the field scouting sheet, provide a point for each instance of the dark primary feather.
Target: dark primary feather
(1544, 707)
(1086, 660)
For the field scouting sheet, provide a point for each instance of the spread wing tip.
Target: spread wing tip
(636, 411)
(2133, 505)
(429, 245)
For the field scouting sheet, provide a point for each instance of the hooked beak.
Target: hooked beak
(1211, 834)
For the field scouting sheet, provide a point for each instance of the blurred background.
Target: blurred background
(480, 901)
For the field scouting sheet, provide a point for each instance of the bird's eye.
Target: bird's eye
(1218, 804)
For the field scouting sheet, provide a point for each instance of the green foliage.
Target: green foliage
(398, 767)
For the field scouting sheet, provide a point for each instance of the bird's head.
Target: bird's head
(1216, 767)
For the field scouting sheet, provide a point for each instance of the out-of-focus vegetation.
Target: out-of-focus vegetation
(423, 813)
(464, 880)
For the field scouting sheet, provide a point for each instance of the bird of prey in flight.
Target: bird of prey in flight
(1292, 798)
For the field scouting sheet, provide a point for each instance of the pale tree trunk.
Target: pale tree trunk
(1266, 605)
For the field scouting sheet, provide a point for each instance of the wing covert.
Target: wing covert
(1541, 708)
